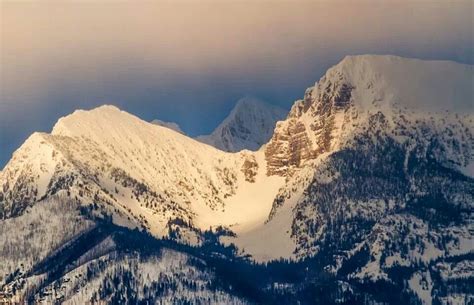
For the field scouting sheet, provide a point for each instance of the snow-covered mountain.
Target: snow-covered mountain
(248, 126)
(170, 125)
(368, 184)
(390, 145)
(143, 174)
(406, 92)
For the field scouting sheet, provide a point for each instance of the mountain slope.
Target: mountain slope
(363, 102)
(368, 184)
(54, 253)
(249, 125)
(142, 174)
(391, 142)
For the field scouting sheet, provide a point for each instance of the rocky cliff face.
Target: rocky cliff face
(312, 127)
(354, 92)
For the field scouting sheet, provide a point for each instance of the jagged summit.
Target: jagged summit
(249, 125)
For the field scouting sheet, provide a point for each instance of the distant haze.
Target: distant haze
(189, 62)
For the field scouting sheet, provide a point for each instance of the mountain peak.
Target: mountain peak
(249, 125)
(373, 92)
(249, 101)
(82, 122)
(384, 81)
(105, 108)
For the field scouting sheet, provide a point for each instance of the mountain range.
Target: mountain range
(363, 194)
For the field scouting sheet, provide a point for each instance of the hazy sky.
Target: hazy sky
(189, 62)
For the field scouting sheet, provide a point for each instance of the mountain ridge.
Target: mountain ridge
(92, 127)
(354, 180)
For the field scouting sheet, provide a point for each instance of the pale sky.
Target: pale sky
(189, 62)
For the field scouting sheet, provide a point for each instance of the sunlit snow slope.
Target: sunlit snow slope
(143, 173)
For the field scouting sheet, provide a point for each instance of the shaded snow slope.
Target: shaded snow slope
(28, 239)
(54, 253)
(249, 125)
